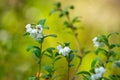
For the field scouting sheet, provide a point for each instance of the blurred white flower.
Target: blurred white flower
(114, 65)
(28, 28)
(36, 32)
(39, 28)
(98, 73)
(99, 70)
(63, 50)
(97, 43)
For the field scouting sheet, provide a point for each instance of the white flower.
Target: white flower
(63, 50)
(114, 65)
(59, 47)
(39, 28)
(28, 28)
(38, 37)
(97, 43)
(67, 49)
(99, 70)
(93, 77)
(35, 32)
(98, 73)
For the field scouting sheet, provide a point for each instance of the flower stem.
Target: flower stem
(39, 65)
(77, 43)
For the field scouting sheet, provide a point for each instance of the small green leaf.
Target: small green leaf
(101, 50)
(51, 35)
(93, 64)
(66, 24)
(50, 50)
(32, 78)
(71, 56)
(57, 54)
(76, 19)
(83, 72)
(71, 7)
(70, 65)
(26, 34)
(41, 22)
(36, 52)
(58, 4)
(48, 68)
(48, 55)
(66, 43)
(116, 33)
(105, 78)
(31, 47)
(45, 76)
(61, 15)
(58, 58)
(114, 45)
(112, 77)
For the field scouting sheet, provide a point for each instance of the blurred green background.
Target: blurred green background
(97, 17)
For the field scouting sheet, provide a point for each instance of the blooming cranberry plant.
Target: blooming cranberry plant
(98, 66)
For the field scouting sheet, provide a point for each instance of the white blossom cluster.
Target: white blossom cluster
(114, 65)
(36, 32)
(97, 43)
(98, 73)
(63, 50)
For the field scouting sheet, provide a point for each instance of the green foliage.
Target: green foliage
(93, 64)
(41, 22)
(83, 72)
(51, 35)
(32, 78)
(35, 50)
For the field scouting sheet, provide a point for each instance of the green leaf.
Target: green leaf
(71, 56)
(31, 47)
(26, 34)
(93, 64)
(32, 78)
(45, 76)
(41, 22)
(51, 35)
(66, 24)
(61, 14)
(36, 52)
(58, 58)
(83, 72)
(71, 7)
(48, 55)
(48, 68)
(58, 4)
(116, 33)
(66, 43)
(105, 78)
(50, 50)
(112, 77)
(101, 50)
(76, 19)
(114, 45)
(70, 65)
(57, 54)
